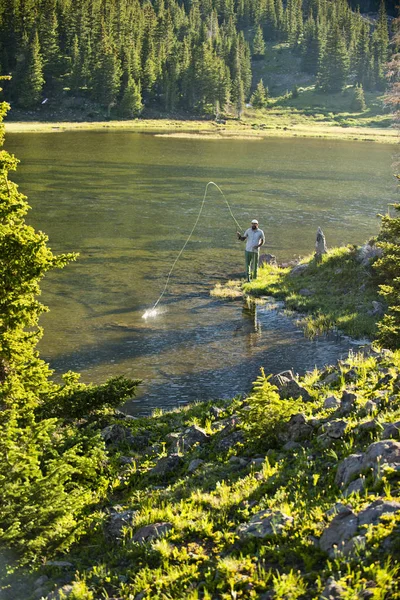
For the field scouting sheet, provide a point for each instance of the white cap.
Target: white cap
(255, 221)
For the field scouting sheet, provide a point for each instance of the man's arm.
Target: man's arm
(241, 237)
(260, 243)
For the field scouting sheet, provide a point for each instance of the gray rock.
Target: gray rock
(377, 310)
(331, 402)
(348, 468)
(225, 443)
(257, 462)
(239, 460)
(370, 407)
(306, 292)
(216, 412)
(331, 378)
(338, 508)
(114, 528)
(292, 389)
(341, 529)
(368, 426)
(354, 546)
(60, 564)
(320, 244)
(117, 434)
(61, 593)
(41, 581)
(267, 259)
(290, 446)
(335, 429)
(194, 435)
(281, 379)
(391, 430)
(367, 252)
(384, 452)
(195, 464)
(299, 270)
(166, 465)
(347, 403)
(173, 440)
(151, 532)
(332, 590)
(264, 523)
(298, 428)
(372, 513)
(356, 487)
(40, 592)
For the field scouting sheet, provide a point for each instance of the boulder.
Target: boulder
(267, 259)
(306, 292)
(340, 530)
(194, 435)
(356, 487)
(118, 520)
(264, 523)
(331, 402)
(377, 309)
(216, 412)
(335, 429)
(347, 403)
(331, 378)
(299, 270)
(195, 464)
(348, 468)
(298, 429)
(151, 532)
(371, 514)
(292, 389)
(63, 592)
(117, 434)
(391, 430)
(367, 252)
(167, 465)
(332, 590)
(384, 452)
(227, 442)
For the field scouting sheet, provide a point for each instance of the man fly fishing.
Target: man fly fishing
(255, 239)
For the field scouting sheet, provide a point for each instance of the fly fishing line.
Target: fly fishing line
(152, 312)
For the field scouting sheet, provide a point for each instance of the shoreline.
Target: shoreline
(212, 130)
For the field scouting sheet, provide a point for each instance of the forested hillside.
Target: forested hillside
(188, 55)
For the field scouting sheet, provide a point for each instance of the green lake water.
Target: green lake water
(127, 202)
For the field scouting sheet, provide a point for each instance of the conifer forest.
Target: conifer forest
(196, 56)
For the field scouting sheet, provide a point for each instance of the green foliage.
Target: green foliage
(388, 276)
(267, 413)
(131, 104)
(358, 101)
(260, 95)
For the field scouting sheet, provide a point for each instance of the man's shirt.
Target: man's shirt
(253, 238)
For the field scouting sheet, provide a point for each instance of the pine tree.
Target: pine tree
(311, 46)
(380, 41)
(28, 81)
(334, 65)
(260, 96)
(358, 100)
(131, 104)
(258, 43)
(48, 35)
(363, 57)
(107, 73)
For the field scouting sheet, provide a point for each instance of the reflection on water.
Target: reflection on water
(127, 202)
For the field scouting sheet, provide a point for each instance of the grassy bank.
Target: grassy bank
(276, 124)
(241, 499)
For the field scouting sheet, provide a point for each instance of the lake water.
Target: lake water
(127, 202)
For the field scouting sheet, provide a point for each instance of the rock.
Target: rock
(377, 310)
(320, 244)
(347, 403)
(391, 430)
(60, 564)
(337, 509)
(117, 434)
(331, 378)
(370, 406)
(331, 402)
(384, 381)
(298, 428)
(299, 270)
(332, 590)
(61, 593)
(151, 532)
(118, 520)
(341, 529)
(306, 292)
(292, 389)
(264, 523)
(350, 375)
(41, 581)
(195, 464)
(384, 452)
(348, 468)
(335, 429)
(281, 379)
(267, 259)
(368, 426)
(40, 592)
(225, 443)
(368, 252)
(167, 465)
(356, 487)
(372, 513)
(194, 435)
(257, 462)
(216, 412)
(290, 446)
(354, 545)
